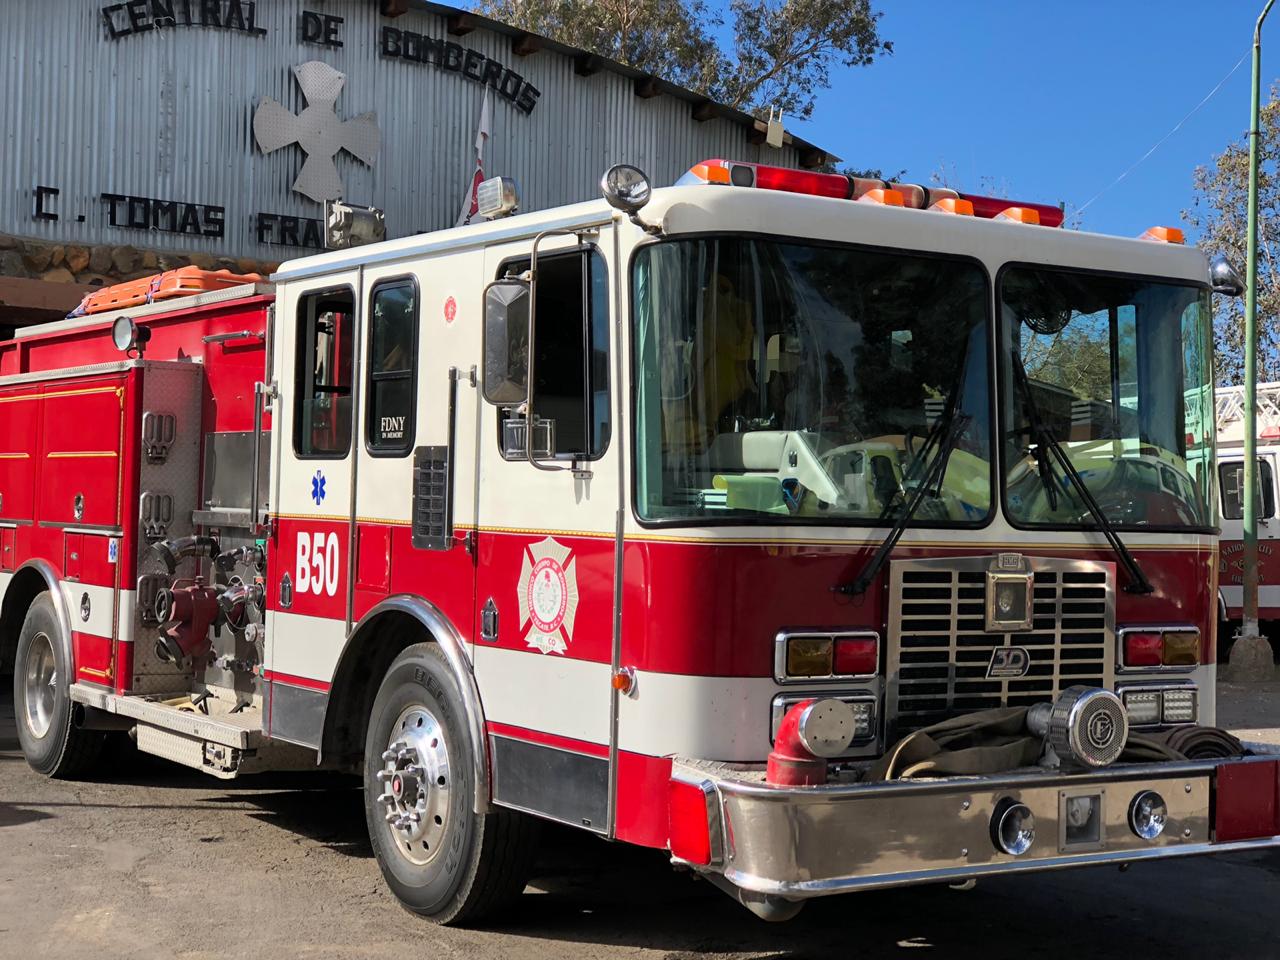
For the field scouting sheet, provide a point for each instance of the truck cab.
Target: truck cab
(822, 533)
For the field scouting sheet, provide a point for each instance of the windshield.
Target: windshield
(1119, 372)
(792, 382)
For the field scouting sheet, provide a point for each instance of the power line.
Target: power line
(1178, 126)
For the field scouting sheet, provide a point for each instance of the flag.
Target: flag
(483, 132)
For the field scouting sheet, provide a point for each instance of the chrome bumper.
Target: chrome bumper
(800, 842)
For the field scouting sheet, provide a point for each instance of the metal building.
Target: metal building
(149, 133)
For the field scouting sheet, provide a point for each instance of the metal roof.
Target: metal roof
(463, 21)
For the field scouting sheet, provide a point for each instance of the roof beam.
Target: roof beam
(523, 44)
(460, 24)
(585, 64)
(704, 111)
(647, 88)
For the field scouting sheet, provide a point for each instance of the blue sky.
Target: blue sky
(1051, 101)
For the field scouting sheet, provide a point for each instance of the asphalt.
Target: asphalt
(159, 862)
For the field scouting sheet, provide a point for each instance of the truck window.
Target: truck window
(322, 398)
(572, 364)
(393, 360)
(1232, 477)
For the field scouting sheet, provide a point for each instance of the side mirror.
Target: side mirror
(506, 342)
(1223, 277)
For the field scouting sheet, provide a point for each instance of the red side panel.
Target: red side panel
(641, 816)
(19, 428)
(1245, 801)
(93, 657)
(80, 452)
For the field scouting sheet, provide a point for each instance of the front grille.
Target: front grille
(938, 649)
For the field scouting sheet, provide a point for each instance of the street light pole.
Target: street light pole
(1249, 626)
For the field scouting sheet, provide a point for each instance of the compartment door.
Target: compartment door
(317, 337)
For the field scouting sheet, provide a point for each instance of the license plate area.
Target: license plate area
(1082, 819)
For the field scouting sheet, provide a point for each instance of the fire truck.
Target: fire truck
(822, 533)
(1230, 416)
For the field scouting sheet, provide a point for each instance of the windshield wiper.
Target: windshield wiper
(946, 433)
(1042, 440)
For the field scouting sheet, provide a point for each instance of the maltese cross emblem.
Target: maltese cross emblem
(317, 130)
(548, 596)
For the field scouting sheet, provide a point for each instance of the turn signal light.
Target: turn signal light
(1142, 649)
(1181, 649)
(856, 656)
(1161, 647)
(830, 656)
(809, 657)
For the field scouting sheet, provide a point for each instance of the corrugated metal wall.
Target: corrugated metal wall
(167, 114)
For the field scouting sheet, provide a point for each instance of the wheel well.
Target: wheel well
(23, 589)
(364, 663)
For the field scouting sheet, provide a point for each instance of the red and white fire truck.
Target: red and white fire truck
(1230, 416)
(671, 516)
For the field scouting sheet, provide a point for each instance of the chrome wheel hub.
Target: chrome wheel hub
(40, 679)
(413, 785)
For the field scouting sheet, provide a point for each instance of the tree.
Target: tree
(1219, 211)
(779, 54)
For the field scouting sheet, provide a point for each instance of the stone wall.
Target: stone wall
(105, 265)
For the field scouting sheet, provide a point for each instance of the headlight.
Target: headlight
(1179, 706)
(1013, 828)
(1143, 707)
(1148, 815)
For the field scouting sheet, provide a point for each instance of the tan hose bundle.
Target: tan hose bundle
(997, 741)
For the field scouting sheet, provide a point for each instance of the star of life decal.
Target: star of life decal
(548, 594)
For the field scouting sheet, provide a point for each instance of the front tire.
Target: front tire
(442, 860)
(42, 675)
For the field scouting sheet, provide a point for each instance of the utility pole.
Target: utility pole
(1253, 660)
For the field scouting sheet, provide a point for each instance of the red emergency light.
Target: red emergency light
(837, 186)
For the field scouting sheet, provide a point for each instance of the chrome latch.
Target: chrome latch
(489, 622)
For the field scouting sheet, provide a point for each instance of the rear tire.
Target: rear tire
(441, 860)
(50, 740)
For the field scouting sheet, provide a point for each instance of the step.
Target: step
(242, 731)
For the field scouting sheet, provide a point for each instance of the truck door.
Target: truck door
(546, 543)
(418, 426)
(318, 340)
(1231, 564)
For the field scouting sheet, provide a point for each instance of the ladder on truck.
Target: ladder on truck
(1229, 403)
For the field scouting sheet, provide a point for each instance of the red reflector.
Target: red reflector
(804, 181)
(689, 831)
(1270, 433)
(1143, 650)
(856, 656)
(1245, 801)
(988, 207)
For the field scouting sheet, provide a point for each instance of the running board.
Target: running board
(242, 731)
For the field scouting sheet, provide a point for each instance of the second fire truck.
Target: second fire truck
(673, 516)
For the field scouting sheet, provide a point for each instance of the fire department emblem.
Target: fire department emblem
(318, 130)
(548, 596)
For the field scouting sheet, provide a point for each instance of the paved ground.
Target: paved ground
(162, 864)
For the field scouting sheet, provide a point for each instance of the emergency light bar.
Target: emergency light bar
(840, 187)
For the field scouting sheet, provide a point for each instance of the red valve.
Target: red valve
(790, 762)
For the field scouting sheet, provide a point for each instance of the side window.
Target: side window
(1231, 476)
(571, 367)
(393, 361)
(322, 394)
